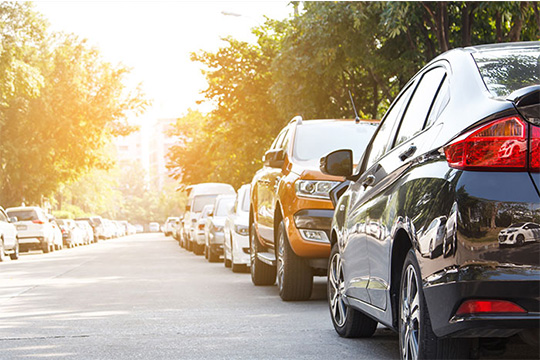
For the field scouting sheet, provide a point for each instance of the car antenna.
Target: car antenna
(357, 118)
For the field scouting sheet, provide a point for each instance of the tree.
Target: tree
(61, 113)
(227, 144)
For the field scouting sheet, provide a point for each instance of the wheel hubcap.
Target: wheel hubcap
(280, 262)
(410, 315)
(336, 288)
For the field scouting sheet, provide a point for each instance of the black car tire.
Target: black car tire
(212, 255)
(294, 275)
(414, 324)
(227, 262)
(520, 240)
(348, 322)
(2, 251)
(15, 254)
(198, 249)
(46, 248)
(261, 273)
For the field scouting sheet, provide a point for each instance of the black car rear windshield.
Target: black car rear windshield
(201, 201)
(507, 70)
(24, 215)
(312, 141)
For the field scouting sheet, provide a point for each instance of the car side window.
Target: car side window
(383, 137)
(442, 99)
(421, 103)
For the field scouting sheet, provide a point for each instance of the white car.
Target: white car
(199, 241)
(431, 241)
(236, 245)
(520, 233)
(88, 233)
(169, 225)
(153, 227)
(35, 230)
(9, 243)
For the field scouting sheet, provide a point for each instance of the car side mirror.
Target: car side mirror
(13, 219)
(338, 163)
(274, 158)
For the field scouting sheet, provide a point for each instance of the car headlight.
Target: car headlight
(314, 188)
(241, 230)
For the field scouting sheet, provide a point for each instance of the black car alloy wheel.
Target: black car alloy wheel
(409, 314)
(336, 286)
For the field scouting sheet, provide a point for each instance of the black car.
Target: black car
(455, 160)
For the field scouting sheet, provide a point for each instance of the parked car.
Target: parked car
(153, 227)
(436, 154)
(199, 195)
(199, 241)
(34, 228)
(87, 232)
(97, 226)
(9, 242)
(139, 228)
(58, 242)
(520, 233)
(169, 225)
(291, 210)
(236, 245)
(73, 234)
(214, 236)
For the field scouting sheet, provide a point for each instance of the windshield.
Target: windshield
(24, 215)
(224, 206)
(199, 202)
(313, 141)
(507, 70)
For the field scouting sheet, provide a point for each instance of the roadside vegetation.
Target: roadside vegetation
(307, 64)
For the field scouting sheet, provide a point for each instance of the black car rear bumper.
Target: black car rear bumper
(446, 291)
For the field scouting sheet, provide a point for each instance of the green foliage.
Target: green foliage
(60, 104)
(307, 64)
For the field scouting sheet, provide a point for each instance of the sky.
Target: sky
(156, 38)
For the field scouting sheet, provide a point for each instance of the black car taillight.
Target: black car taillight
(534, 150)
(501, 145)
(488, 306)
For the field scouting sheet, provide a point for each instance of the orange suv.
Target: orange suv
(291, 212)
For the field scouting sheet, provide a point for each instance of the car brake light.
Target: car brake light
(201, 226)
(534, 156)
(38, 222)
(499, 145)
(488, 306)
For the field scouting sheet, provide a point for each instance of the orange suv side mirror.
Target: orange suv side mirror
(274, 158)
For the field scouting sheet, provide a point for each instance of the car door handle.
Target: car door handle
(407, 153)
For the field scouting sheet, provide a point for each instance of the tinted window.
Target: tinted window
(24, 215)
(386, 129)
(224, 206)
(442, 99)
(314, 140)
(420, 104)
(508, 70)
(201, 201)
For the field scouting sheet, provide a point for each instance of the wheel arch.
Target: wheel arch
(400, 247)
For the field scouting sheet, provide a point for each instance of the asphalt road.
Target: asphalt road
(143, 297)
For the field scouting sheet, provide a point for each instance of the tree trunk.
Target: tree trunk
(375, 100)
(443, 27)
(515, 31)
(498, 26)
(467, 19)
